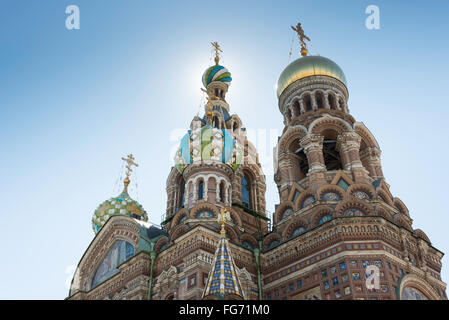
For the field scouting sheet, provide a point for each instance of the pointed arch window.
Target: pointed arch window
(119, 253)
(246, 191)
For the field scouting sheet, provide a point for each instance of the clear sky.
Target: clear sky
(73, 102)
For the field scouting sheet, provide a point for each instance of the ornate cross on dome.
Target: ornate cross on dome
(129, 162)
(217, 51)
(223, 216)
(301, 37)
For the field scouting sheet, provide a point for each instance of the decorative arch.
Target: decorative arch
(381, 193)
(367, 189)
(366, 135)
(178, 231)
(383, 213)
(413, 281)
(249, 239)
(301, 199)
(293, 133)
(292, 226)
(421, 234)
(233, 236)
(353, 203)
(179, 216)
(203, 206)
(235, 122)
(320, 214)
(400, 206)
(330, 188)
(280, 210)
(270, 239)
(160, 243)
(328, 122)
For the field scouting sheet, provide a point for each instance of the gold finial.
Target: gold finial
(301, 37)
(129, 162)
(223, 216)
(217, 51)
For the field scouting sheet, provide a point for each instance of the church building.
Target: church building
(336, 233)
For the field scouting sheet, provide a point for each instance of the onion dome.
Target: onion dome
(309, 66)
(120, 205)
(216, 73)
(208, 143)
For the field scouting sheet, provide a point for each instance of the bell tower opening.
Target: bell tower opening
(331, 155)
(301, 163)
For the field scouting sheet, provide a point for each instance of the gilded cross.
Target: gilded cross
(217, 51)
(301, 37)
(129, 162)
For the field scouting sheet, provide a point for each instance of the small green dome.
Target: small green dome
(121, 205)
(308, 66)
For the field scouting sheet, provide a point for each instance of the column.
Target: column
(326, 100)
(348, 144)
(313, 148)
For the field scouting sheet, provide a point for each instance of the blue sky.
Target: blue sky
(74, 102)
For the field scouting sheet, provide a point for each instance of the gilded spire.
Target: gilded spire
(217, 51)
(301, 37)
(129, 163)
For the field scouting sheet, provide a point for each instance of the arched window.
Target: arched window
(246, 191)
(222, 191)
(296, 108)
(201, 189)
(332, 102)
(182, 186)
(319, 100)
(288, 115)
(119, 253)
(331, 155)
(307, 102)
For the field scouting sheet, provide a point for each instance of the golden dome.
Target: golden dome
(309, 66)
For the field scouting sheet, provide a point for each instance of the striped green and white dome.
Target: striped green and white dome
(121, 205)
(216, 73)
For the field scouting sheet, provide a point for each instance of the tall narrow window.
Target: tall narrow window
(246, 192)
(200, 189)
(308, 102)
(319, 100)
(182, 198)
(222, 191)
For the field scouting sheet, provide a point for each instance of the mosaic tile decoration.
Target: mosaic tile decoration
(223, 279)
(208, 143)
(121, 205)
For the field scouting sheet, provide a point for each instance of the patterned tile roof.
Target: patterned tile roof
(223, 279)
